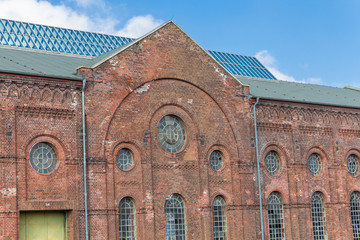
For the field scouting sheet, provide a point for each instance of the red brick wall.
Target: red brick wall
(295, 131)
(36, 110)
(126, 96)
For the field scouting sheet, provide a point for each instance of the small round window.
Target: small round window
(171, 133)
(272, 162)
(353, 164)
(124, 159)
(216, 160)
(314, 163)
(43, 158)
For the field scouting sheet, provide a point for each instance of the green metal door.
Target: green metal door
(42, 226)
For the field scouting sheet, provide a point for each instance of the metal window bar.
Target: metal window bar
(127, 219)
(219, 218)
(175, 226)
(355, 214)
(318, 216)
(276, 217)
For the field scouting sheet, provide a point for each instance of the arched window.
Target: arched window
(216, 160)
(272, 162)
(175, 225)
(314, 163)
(43, 157)
(127, 223)
(355, 214)
(318, 216)
(276, 217)
(219, 218)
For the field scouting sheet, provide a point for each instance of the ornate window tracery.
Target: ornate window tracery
(171, 133)
(124, 159)
(352, 164)
(314, 163)
(272, 162)
(216, 160)
(43, 157)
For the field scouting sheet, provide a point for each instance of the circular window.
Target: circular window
(124, 159)
(43, 158)
(272, 162)
(353, 164)
(314, 163)
(216, 160)
(171, 133)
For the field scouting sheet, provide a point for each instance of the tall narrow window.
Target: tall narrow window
(276, 217)
(318, 216)
(355, 214)
(175, 225)
(219, 218)
(127, 224)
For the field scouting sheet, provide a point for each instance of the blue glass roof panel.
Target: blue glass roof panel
(56, 39)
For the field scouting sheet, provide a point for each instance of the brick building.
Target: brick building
(174, 142)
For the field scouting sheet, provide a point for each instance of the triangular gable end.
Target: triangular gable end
(165, 52)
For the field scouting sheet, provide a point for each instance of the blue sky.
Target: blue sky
(314, 41)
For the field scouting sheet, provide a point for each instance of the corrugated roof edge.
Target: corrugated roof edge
(288, 100)
(77, 77)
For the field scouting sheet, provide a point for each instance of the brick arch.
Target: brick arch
(61, 148)
(221, 192)
(281, 150)
(144, 86)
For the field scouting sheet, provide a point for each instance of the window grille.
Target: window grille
(124, 159)
(175, 226)
(314, 163)
(127, 223)
(219, 218)
(355, 214)
(318, 216)
(353, 164)
(272, 162)
(171, 133)
(276, 217)
(216, 160)
(43, 158)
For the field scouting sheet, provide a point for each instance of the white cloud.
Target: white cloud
(44, 12)
(138, 26)
(271, 64)
(85, 3)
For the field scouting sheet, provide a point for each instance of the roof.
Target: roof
(37, 63)
(54, 63)
(302, 92)
(61, 40)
